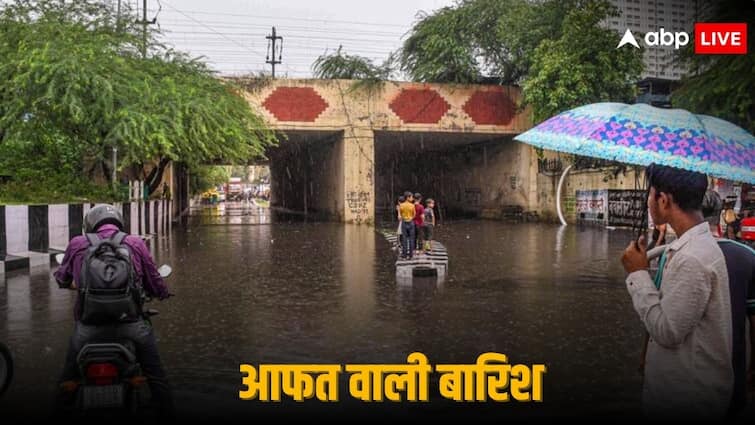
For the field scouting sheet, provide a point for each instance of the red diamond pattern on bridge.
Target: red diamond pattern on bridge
(302, 104)
(492, 106)
(419, 106)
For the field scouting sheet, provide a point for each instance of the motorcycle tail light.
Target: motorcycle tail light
(102, 373)
(138, 381)
(69, 386)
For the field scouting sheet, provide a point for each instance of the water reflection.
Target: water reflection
(326, 293)
(243, 212)
(35, 321)
(358, 275)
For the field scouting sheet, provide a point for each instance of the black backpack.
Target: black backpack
(107, 288)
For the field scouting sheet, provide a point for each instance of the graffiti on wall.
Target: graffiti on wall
(626, 207)
(592, 205)
(472, 199)
(358, 202)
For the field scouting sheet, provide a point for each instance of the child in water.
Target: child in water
(429, 224)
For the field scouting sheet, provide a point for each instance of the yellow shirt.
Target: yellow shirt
(407, 211)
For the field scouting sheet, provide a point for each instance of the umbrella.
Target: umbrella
(642, 134)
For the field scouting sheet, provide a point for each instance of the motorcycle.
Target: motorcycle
(110, 375)
(6, 368)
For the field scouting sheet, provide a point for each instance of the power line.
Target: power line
(310, 49)
(304, 37)
(225, 24)
(212, 29)
(290, 18)
(298, 53)
(304, 47)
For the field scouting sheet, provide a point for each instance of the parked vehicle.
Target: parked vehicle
(747, 230)
(235, 189)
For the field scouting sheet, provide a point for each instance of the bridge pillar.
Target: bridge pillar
(358, 175)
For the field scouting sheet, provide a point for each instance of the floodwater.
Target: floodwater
(250, 289)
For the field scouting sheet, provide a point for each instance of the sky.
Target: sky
(230, 34)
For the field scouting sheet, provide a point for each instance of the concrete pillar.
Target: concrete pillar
(530, 158)
(358, 175)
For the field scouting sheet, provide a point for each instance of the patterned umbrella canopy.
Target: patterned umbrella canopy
(642, 134)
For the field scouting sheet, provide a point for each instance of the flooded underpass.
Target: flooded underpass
(266, 290)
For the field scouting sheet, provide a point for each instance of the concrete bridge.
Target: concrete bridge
(350, 148)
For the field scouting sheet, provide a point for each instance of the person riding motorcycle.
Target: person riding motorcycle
(105, 221)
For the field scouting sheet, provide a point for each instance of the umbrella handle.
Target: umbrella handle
(558, 194)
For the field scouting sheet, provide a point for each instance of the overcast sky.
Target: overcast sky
(231, 33)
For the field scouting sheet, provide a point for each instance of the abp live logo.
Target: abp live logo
(710, 38)
(720, 38)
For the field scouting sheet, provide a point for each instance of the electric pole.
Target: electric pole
(271, 50)
(144, 23)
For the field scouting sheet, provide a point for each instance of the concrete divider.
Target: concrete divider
(30, 234)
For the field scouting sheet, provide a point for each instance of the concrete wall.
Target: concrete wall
(495, 175)
(576, 180)
(358, 112)
(337, 104)
(475, 179)
(474, 164)
(30, 233)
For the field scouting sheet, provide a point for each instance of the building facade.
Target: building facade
(643, 16)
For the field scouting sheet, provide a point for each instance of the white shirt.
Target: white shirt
(688, 370)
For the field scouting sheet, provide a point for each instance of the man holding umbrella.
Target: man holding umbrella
(688, 369)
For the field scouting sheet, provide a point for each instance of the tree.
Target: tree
(518, 28)
(206, 177)
(582, 65)
(440, 48)
(339, 65)
(479, 40)
(74, 85)
(722, 85)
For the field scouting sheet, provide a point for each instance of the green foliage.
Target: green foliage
(239, 171)
(557, 49)
(581, 66)
(507, 32)
(44, 169)
(722, 85)
(206, 177)
(440, 48)
(74, 85)
(339, 65)
(478, 40)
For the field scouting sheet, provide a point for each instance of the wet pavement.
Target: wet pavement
(299, 292)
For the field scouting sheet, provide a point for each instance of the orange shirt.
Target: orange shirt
(407, 211)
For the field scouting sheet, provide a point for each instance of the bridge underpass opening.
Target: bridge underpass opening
(467, 174)
(228, 194)
(306, 174)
